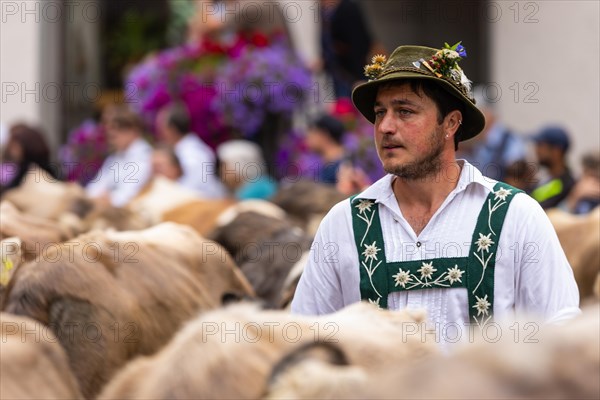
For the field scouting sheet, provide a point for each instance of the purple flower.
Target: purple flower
(84, 152)
(261, 81)
(461, 51)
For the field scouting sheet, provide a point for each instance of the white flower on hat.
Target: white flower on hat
(450, 53)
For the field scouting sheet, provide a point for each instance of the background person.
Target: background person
(551, 148)
(128, 168)
(496, 148)
(324, 137)
(197, 159)
(26, 147)
(244, 171)
(346, 42)
(585, 195)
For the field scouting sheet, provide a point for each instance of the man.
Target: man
(551, 146)
(345, 42)
(197, 160)
(496, 148)
(434, 233)
(324, 137)
(585, 195)
(125, 172)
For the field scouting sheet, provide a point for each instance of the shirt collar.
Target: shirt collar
(381, 190)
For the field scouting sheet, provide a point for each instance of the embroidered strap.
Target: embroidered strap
(371, 258)
(484, 248)
(476, 272)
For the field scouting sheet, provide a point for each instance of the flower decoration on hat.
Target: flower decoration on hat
(444, 64)
(374, 70)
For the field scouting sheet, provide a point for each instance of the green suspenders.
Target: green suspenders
(378, 277)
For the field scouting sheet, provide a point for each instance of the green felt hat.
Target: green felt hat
(417, 62)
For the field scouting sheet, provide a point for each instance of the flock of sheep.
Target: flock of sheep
(175, 297)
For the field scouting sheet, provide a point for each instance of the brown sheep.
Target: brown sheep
(580, 238)
(230, 353)
(266, 249)
(204, 216)
(11, 256)
(554, 362)
(201, 215)
(67, 205)
(110, 296)
(36, 233)
(307, 202)
(33, 365)
(40, 195)
(159, 196)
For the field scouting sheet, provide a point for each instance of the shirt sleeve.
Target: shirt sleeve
(100, 184)
(320, 289)
(134, 175)
(544, 280)
(200, 171)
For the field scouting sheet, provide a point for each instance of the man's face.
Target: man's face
(119, 139)
(545, 154)
(408, 137)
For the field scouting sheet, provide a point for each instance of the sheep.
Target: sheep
(110, 296)
(230, 353)
(33, 364)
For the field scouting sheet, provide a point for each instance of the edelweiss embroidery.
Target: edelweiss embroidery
(475, 272)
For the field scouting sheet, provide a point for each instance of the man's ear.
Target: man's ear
(451, 123)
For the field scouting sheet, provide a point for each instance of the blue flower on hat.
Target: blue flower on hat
(458, 48)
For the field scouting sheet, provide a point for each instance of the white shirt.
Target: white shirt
(198, 163)
(123, 174)
(532, 275)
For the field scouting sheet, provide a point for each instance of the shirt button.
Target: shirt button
(418, 244)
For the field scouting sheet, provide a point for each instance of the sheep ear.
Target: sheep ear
(315, 370)
(325, 352)
(10, 258)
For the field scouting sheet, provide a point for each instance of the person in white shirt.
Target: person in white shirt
(434, 233)
(197, 159)
(125, 172)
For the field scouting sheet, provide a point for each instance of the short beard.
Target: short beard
(428, 165)
(545, 163)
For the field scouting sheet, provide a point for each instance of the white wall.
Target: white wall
(19, 62)
(554, 47)
(29, 69)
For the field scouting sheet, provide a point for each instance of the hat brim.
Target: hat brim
(364, 95)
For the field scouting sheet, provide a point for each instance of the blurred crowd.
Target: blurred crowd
(536, 163)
